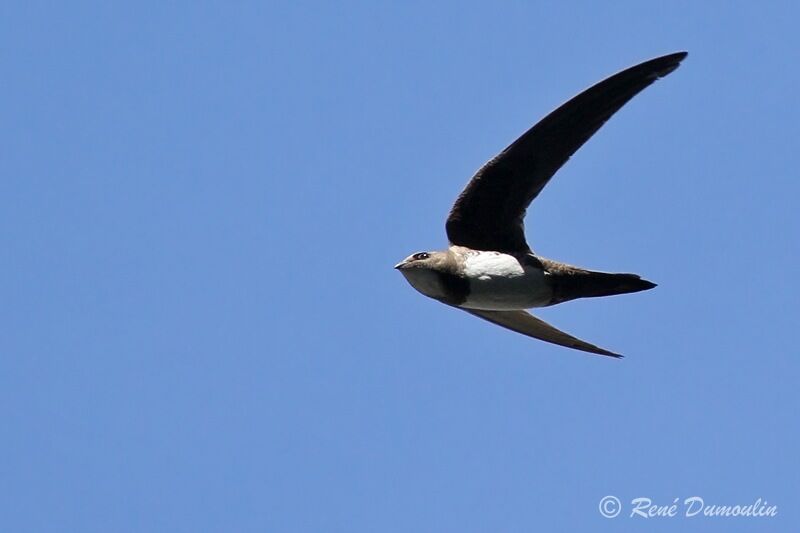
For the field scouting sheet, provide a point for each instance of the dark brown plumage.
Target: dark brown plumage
(489, 269)
(488, 214)
(570, 282)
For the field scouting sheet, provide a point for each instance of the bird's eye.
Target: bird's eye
(421, 255)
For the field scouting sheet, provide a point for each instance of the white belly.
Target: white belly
(499, 282)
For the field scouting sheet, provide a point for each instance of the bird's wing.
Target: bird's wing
(527, 324)
(488, 214)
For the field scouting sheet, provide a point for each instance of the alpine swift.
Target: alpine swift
(489, 270)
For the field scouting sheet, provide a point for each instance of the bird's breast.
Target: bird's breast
(501, 282)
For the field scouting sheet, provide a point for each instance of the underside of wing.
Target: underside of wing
(488, 214)
(527, 324)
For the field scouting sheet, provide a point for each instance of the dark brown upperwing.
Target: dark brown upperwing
(488, 214)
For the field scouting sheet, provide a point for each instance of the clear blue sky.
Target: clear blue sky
(201, 329)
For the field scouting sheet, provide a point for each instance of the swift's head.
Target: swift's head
(423, 261)
(422, 270)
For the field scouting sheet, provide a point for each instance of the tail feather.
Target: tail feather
(571, 283)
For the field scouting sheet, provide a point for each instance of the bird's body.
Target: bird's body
(475, 279)
(503, 282)
(489, 270)
(496, 281)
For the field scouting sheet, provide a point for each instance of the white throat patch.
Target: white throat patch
(425, 281)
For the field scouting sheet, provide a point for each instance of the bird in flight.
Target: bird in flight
(489, 270)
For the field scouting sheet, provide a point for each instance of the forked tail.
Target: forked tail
(569, 283)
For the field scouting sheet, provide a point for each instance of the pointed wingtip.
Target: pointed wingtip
(679, 56)
(669, 63)
(593, 349)
(602, 351)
